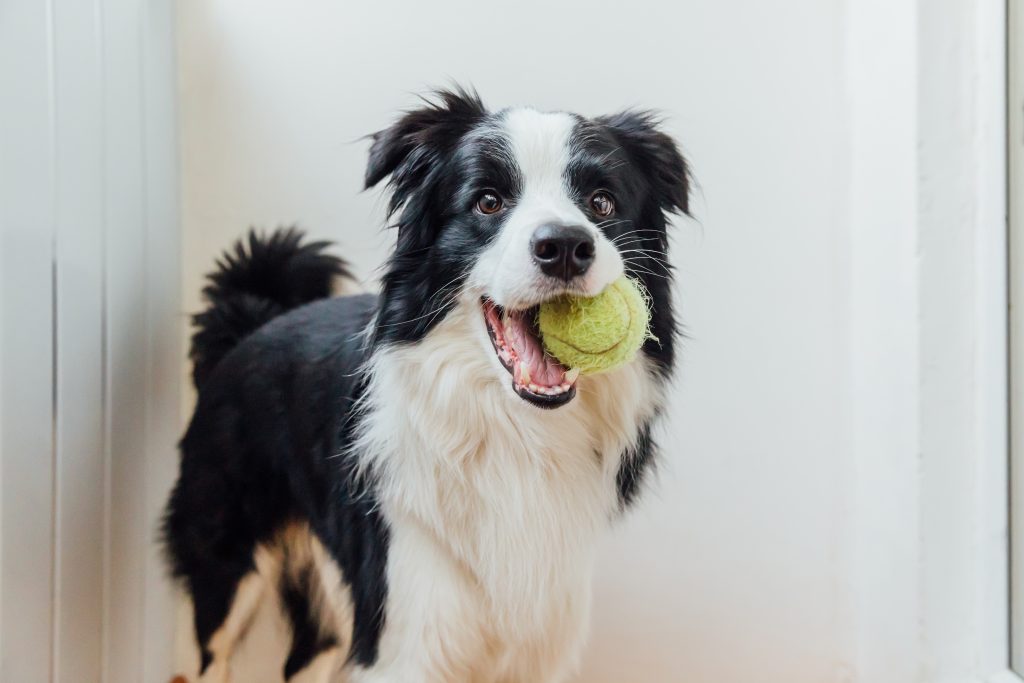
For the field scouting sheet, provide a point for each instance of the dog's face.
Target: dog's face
(508, 209)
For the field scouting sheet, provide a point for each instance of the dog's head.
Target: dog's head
(503, 210)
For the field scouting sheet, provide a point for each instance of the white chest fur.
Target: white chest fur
(516, 494)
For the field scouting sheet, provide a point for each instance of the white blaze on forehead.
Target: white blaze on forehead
(540, 145)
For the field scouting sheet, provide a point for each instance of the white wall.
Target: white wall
(791, 537)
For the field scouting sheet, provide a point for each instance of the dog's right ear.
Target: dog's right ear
(409, 149)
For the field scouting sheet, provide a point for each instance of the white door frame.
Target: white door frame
(1015, 112)
(91, 326)
(928, 347)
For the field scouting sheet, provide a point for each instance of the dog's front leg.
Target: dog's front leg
(433, 629)
(553, 654)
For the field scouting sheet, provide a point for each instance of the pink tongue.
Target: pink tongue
(544, 370)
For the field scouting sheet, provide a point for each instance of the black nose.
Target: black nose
(563, 251)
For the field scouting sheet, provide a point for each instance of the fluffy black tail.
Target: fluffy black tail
(256, 280)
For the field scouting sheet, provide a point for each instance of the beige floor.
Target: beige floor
(260, 656)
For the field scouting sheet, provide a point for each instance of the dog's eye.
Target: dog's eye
(488, 203)
(602, 204)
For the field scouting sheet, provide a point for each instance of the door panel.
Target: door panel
(90, 354)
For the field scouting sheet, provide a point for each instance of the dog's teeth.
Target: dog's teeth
(572, 375)
(524, 373)
(565, 387)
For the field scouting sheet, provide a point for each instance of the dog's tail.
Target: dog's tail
(258, 279)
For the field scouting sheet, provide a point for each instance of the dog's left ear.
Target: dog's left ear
(412, 146)
(656, 154)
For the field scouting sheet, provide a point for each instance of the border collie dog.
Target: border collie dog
(408, 474)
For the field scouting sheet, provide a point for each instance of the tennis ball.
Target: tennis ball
(597, 333)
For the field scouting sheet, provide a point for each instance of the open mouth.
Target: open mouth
(536, 376)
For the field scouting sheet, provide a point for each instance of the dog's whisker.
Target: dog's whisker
(644, 250)
(653, 256)
(635, 240)
(631, 233)
(663, 272)
(441, 303)
(611, 224)
(615, 221)
(635, 264)
(635, 231)
(648, 257)
(637, 269)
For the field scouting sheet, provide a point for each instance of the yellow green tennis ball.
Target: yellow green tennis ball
(597, 333)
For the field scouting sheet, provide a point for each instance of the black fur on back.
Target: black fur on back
(257, 279)
(262, 451)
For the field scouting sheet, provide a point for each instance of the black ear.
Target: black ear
(656, 154)
(406, 151)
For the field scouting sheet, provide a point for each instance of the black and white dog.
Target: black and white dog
(408, 473)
